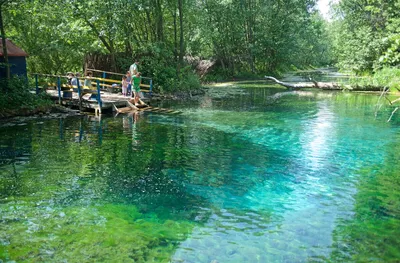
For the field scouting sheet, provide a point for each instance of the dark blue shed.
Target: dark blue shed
(16, 57)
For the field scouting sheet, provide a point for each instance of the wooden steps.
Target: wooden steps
(133, 108)
(160, 110)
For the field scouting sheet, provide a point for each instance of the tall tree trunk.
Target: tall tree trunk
(249, 26)
(175, 35)
(4, 42)
(151, 26)
(181, 44)
(159, 21)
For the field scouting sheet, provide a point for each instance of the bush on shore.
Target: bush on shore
(16, 98)
(386, 77)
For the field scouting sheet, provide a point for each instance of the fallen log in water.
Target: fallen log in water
(312, 84)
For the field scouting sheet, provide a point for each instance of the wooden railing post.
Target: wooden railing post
(98, 96)
(59, 89)
(104, 76)
(79, 93)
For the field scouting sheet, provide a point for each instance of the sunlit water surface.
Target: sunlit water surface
(258, 175)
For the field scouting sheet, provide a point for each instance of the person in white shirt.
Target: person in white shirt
(133, 69)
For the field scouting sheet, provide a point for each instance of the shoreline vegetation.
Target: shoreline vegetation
(17, 100)
(179, 49)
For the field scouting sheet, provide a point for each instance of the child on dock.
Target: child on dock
(75, 80)
(124, 85)
(128, 80)
(70, 76)
(88, 81)
(136, 80)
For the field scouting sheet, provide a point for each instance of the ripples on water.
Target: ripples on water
(259, 176)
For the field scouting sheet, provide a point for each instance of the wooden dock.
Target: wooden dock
(102, 94)
(89, 101)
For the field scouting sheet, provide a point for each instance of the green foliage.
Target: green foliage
(365, 35)
(245, 37)
(188, 80)
(54, 40)
(388, 77)
(217, 75)
(391, 56)
(170, 82)
(263, 37)
(162, 68)
(385, 77)
(16, 96)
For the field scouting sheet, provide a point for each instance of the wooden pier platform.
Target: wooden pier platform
(89, 100)
(101, 94)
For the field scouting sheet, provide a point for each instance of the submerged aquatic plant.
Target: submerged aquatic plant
(43, 232)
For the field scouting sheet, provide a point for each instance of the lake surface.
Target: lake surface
(241, 175)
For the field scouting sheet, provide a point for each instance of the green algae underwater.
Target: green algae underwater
(243, 175)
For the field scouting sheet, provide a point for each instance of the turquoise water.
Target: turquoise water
(242, 175)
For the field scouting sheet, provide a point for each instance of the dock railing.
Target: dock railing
(65, 90)
(148, 87)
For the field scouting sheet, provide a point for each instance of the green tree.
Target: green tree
(243, 36)
(368, 30)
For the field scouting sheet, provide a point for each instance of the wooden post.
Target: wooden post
(104, 76)
(59, 89)
(98, 96)
(79, 93)
(36, 84)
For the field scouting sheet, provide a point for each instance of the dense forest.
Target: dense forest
(240, 38)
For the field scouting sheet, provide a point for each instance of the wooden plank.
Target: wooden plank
(107, 85)
(147, 109)
(49, 84)
(125, 109)
(102, 84)
(108, 80)
(160, 110)
(108, 72)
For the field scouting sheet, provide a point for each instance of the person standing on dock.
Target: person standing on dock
(128, 80)
(136, 81)
(70, 75)
(75, 79)
(133, 69)
(124, 85)
(88, 81)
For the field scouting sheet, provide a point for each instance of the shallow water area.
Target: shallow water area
(242, 175)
